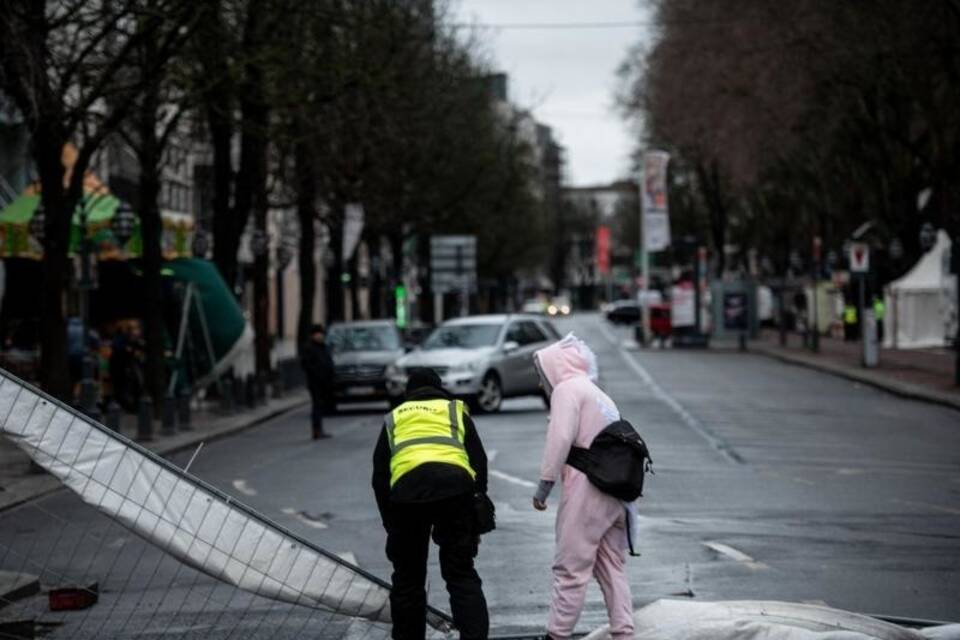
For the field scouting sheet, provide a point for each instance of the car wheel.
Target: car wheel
(490, 395)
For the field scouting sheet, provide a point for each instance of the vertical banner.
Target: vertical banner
(656, 220)
(353, 219)
(603, 249)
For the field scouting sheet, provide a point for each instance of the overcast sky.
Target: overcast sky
(567, 76)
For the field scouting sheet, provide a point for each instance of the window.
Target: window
(463, 336)
(531, 333)
(372, 338)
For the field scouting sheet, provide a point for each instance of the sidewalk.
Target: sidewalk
(921, 374)
(18, 484)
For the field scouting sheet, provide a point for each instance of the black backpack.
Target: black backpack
(616, 461)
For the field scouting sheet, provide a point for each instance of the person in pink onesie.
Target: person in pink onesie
(591, 527)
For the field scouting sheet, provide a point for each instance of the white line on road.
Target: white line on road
(670, 401)
(241, 485)
(734, 554)
(512, 479)
(348, 557)
(305, 518)
(937, 507)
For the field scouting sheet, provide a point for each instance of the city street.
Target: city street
(772, 482)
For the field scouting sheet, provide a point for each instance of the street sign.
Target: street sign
(603, 249)
(453, 263)
(859, 257)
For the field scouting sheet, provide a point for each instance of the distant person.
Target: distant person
(879, 312)
(317, 364)
(850, 326)
(591, 538)
(429, 467)
(123, 369)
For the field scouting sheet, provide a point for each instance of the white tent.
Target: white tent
(920, 305)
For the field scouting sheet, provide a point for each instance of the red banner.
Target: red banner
(603, 249)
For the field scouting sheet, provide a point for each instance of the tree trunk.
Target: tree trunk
(334, 285)
(306, 214)
(58, 205)
(219, 103)
(151, 229)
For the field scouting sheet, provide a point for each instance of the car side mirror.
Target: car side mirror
(510, 345)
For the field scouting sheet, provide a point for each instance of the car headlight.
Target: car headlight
(393, 371)
(472, 366)
(565, 310)
(552, 309)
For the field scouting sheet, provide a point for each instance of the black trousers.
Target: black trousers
(318, 401)
(408, 543)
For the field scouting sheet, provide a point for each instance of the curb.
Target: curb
(183, 440)
(17, 586)
(902, 389)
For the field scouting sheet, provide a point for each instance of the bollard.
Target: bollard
(250, 392)
(227, 397)
(169, 416)
(145, 419)
(183, 410)
(261, 388)
(113, 416)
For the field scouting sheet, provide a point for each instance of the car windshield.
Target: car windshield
(463, 336)
(344, 339)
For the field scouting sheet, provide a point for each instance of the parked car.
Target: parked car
(361, 353)
(627, 311)
(482, 359)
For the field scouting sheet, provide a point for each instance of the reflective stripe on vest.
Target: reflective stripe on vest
(426, 431)
(850, 315)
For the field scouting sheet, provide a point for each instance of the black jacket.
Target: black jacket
(317, 363)
(433, 480)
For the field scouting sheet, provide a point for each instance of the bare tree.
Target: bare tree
(60, 62)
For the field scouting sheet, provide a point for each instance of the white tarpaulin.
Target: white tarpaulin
(762, 620)
(919, 305)
(179, 513)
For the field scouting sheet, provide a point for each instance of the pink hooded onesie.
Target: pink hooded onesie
(591, 534)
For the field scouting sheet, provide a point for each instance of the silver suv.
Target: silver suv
(483, 359)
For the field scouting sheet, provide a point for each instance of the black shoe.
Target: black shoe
(321, 435)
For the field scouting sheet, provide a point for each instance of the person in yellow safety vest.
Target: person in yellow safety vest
(879, 311)
(850, 322)
(428, 466)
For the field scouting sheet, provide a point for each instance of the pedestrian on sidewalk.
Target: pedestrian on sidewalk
(879, 311)
(429, 467)
(851, 326)
(591, 534)
(317, 364)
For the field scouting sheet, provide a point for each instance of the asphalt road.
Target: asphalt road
(772, 482)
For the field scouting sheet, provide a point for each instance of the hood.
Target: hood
(565, 359)
(442, 357)
(366, 357)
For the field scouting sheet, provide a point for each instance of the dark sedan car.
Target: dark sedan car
(361, 353)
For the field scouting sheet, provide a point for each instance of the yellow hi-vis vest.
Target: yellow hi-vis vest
(850, 314)
(421, 431)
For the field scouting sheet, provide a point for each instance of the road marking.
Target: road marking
(305, 518)
(849, 472)
(917, 503)
(717, 443)
(512, 479)
(116, 544)
(734, 554)
(241, 485)
(348, 556)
